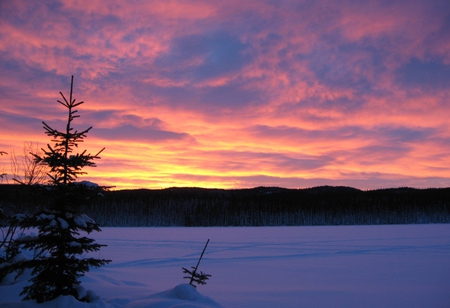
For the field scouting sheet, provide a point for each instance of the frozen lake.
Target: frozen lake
(256, 267)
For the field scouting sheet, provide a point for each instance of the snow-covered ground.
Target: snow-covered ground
(256, 267)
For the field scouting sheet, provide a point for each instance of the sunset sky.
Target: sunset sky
(235, 94)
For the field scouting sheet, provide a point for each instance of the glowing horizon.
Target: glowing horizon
(236, 94)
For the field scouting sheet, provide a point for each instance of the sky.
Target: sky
(235, 94)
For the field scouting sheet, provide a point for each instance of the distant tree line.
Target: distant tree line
(262, 206)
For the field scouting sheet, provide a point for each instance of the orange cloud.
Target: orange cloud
(236, 94)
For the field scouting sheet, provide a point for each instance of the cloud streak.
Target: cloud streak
(237, 94)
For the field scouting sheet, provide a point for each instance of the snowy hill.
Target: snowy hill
(182, 296)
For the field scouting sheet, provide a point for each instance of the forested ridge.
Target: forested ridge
(261, 206)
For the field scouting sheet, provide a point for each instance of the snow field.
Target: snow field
(257, 267)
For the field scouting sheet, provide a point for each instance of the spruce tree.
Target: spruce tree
(61, 245)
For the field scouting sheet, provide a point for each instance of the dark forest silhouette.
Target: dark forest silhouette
(261, 206)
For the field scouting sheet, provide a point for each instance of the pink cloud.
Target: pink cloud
(198, 93)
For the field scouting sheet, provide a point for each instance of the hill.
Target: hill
(259, 206)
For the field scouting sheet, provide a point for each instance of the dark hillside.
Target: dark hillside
(260, 206)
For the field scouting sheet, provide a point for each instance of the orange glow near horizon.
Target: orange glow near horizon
(235, 95)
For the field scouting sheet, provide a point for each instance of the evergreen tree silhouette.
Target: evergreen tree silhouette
(61, 245)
